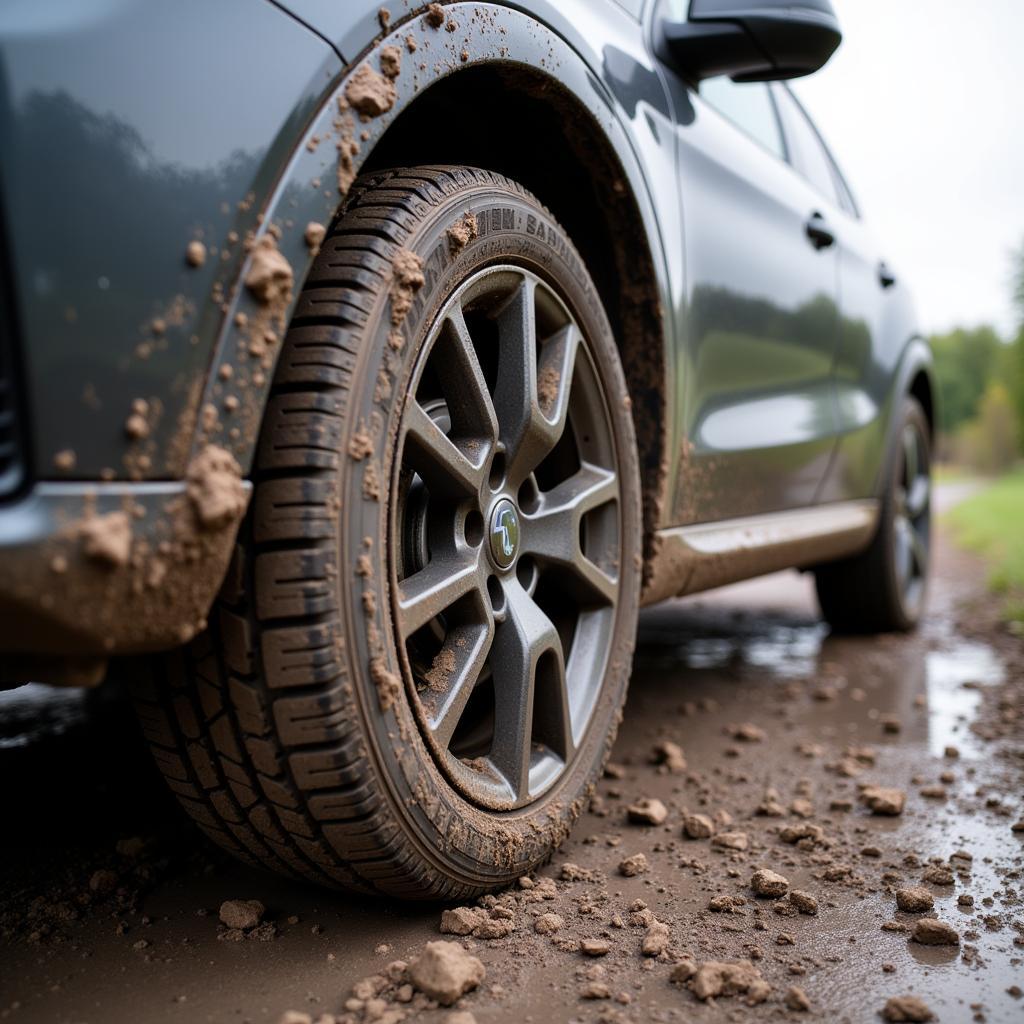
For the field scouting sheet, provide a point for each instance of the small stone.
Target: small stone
(951, 752)
(241, 914)
(883, 800)
(647, 811)
(803, 901)
(907, 1008)
(548, 924)
(890, 724)
(914, 900)
(633, 866)
(768, 883)
(594, 947)
(670, 755)
(731, 840)
(444, 971)
(717, 978)
(747, 732)
(698, 826)
(930, 931)
(459, 1017)
(965, 899)
(796, 999)
(595, 990)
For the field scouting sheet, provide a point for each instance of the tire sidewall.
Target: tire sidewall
(479, 848)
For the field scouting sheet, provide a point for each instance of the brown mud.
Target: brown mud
(768, 891)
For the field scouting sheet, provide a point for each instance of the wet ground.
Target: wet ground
(142, 944)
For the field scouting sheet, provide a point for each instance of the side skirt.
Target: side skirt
(692, 558)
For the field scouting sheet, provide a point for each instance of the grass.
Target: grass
(992, 524)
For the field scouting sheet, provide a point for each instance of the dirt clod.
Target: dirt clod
(731, 840)
(407, 280)
(270, 275)
(647, 811)
(107, 539)
(883, 800)
(444, 971)
(907, 1008)
(215, 489)
(768, 883)
(698, 826)
(914, 900)
(435, 15)
(462, 232)
(670, 755)
(716, 978)
(632, 866)
(930, 931)
(369, 93)
(242, 914)
(314, 235)
(796, 999)
(195, 254)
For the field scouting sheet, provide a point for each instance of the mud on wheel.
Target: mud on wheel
(418, 662)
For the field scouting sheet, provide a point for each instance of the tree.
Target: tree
(965, 361)
(989, 442)
(1015, 363)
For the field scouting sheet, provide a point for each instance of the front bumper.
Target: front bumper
(88, 570)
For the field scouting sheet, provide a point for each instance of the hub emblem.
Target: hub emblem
(504, 533)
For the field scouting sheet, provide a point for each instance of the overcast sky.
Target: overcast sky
(923, 106)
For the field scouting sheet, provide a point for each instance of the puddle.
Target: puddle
(35, 712)
(951, 705)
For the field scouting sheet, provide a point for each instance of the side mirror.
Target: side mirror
(751, 40)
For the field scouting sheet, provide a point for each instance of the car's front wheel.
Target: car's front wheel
(416, 670)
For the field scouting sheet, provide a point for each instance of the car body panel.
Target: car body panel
(127, 131)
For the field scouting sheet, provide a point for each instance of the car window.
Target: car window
(807, 154)
(749, 106)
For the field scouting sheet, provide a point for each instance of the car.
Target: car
(365, 369)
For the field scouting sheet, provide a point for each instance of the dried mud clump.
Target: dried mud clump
(907, 1008)
(407, 280)
(698, 826)
(915, 900)
(391, 62)
(630, 867)
(369, 93)
(713, 979)
(314, 235)
(669, 756)
(462, 232)
(195, 254)
(647, 811)
(435, 16)
(270, 275)
(107, 539)
(768, 883)
(215, 488)
(445, 971)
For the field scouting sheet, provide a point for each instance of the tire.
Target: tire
(306, 729)
(883, 589)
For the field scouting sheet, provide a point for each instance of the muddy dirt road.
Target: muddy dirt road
(110, 899)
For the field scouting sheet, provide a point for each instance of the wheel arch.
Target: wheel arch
(508, 76)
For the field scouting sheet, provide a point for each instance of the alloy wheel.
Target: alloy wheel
(505, 538)
(912, 524)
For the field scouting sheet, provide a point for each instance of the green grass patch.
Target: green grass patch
(992, 524)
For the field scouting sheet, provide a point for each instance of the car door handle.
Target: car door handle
(819, 233)
(886, 278)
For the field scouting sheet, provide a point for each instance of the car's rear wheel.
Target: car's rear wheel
(883, 589)
(418, 663)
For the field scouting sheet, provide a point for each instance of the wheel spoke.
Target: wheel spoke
(918, 497)
(466, 392)
(552, 533)
(919, 551)
(554, 376)
(527, 434)
(910, 458)
(466, 648)
(438, 460)
(525, 637)
(434, 589)
(904, 550)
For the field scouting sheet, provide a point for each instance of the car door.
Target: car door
(760, 321)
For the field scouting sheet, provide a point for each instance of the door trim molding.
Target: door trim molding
(705, 555)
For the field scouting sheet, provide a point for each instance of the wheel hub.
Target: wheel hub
(504, 533)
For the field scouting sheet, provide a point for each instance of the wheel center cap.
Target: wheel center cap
(504, 533)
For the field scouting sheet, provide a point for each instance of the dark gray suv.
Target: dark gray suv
(364, 368)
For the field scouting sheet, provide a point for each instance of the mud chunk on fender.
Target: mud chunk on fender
(444, 971)
(215, 488)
